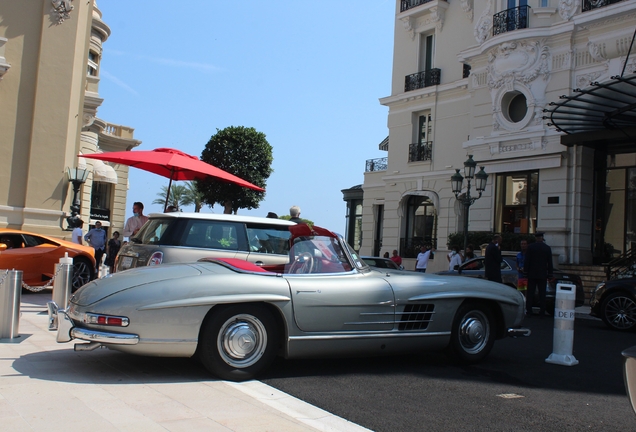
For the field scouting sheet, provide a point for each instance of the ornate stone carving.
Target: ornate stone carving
(567, 8)
(585, 80)
(467, 7)
(597, 51)
(522, 61)
(631, 65)
(407, 23)
(61, 10)
(483, 29)
(437, 16)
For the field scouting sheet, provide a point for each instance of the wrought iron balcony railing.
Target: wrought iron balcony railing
(588, 5)
(422, 79)
(510, 19)
(421, 151)
(379, 164)
(409, 4)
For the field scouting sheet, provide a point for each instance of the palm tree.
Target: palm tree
(177, 198)
(193, 196)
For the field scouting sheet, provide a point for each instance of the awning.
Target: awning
(104, 223)
(601, 113)
(103, 173)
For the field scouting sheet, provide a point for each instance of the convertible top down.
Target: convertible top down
(237, 316)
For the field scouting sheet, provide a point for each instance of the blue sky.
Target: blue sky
(308, 74)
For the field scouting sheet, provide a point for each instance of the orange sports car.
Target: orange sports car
(36, 255)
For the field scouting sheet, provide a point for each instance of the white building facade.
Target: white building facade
(473, 78)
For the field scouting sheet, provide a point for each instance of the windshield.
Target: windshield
(152, 231)
(317, 254)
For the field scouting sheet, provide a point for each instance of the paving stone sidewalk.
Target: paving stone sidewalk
(46, 386)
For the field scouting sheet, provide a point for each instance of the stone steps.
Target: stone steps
(590, 276)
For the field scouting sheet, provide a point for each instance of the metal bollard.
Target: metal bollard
(10, 295)
(563, 326)
(62, 286)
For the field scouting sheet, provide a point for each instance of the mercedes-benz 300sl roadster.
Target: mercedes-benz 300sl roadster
(237, 316)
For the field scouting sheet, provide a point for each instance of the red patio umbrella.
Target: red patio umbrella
(171, 163)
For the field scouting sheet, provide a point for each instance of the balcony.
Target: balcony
(422, 79)
(409, 4)
(421, 151)
(511, 19)
(379, 164)
(589, 5)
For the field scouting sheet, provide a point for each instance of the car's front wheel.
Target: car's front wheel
(473, 333)
(618, 311)
(239, 341)
(83, 272)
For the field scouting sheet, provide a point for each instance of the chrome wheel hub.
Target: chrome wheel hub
(474, 331)
(242, 340)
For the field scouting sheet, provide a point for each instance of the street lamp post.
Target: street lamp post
(77, 177)
(467, 200)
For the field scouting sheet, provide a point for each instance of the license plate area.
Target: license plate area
(127, 262)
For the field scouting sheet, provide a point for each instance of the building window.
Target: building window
(354, 224)
(93, 61)
(100, 195)
(514, 106)
(422, 149)
(516, 199)
(420, 226)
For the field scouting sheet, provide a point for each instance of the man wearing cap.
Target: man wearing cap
(538, 267)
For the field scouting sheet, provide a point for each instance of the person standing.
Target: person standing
(422, 258)
(396, 258)
(294, 212)
(136, 221)
(538, 266)
(96, 237)
(492, 259)
(455, 259)
(469, 253)
(112, 249)
(78, 233)
(522, 277)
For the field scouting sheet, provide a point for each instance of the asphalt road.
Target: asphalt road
(514, 389)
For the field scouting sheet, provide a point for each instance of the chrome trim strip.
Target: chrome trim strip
(212, 300)
(367, 336)
(104, 337)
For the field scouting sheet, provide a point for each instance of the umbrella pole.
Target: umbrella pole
(165, 206)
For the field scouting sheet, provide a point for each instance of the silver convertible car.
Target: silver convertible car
(237, 316)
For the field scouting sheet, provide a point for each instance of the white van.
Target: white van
(188, 237)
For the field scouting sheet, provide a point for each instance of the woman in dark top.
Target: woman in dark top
(113, 249)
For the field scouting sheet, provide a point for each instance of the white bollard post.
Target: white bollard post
(10, 294)
(62, 287)
(563, 326)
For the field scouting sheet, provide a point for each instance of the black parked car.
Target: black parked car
(379, 262)
(475, 268)
(615, 303)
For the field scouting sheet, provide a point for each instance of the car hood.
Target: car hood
(99, 289)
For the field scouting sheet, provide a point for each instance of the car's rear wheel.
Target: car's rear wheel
(473, 333)
(239, 341)
(83, 272)
(618, 311)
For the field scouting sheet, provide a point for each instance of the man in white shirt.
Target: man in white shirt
(422, 259)
(78, 233)
(135, 222)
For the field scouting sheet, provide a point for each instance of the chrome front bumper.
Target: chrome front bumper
(66, 332)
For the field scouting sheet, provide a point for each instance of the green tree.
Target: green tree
(241, 151)
(193, 196)
(178, 196)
